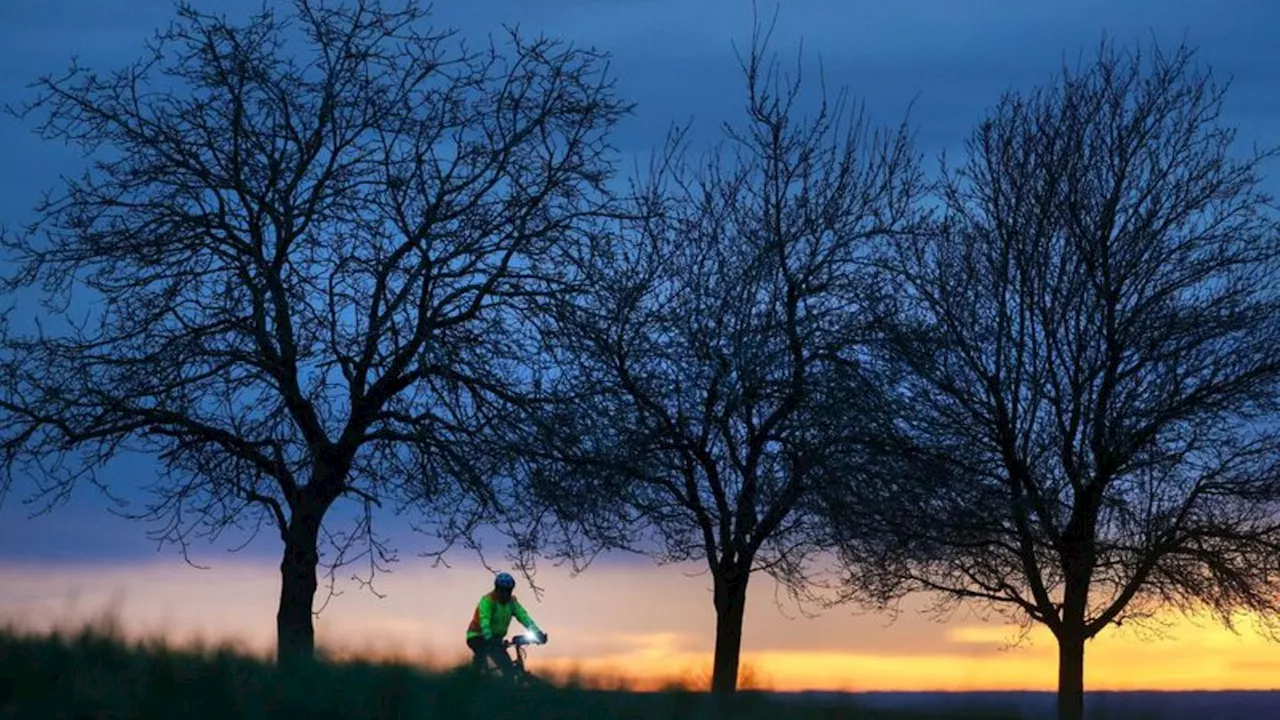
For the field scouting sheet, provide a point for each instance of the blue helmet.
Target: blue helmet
(504, 581)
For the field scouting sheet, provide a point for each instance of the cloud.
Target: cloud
(995, 636)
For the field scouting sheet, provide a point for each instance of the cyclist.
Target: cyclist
(489, 624)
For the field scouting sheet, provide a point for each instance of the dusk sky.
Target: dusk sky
(949, 60)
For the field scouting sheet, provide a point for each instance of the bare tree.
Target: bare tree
(1088, 424)
(716, 350)
(303, 255)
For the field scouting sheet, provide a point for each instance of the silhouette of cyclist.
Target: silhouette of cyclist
(490, 621)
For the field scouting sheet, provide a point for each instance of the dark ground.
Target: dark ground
(92, 675)
(1224, 705)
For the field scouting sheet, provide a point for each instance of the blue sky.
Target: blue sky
(675, 59)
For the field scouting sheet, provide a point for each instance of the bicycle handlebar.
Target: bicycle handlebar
(520, 640)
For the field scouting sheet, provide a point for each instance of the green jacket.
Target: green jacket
(492, 618)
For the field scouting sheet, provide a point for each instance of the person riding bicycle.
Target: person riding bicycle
(489, 624)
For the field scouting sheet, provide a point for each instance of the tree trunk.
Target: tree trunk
(1071, 674)
(295, 633)
(1078, 556)
(730, 601)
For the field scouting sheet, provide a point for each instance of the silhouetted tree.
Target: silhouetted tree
(1087, 428)
(303, 252)
(715, 352)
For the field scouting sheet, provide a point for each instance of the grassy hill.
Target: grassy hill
(93, 673)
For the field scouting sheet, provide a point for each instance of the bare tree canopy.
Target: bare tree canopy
(305, 250)
(716, 349)
(1089, 427)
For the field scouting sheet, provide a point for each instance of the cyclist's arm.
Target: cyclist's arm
(523, 616)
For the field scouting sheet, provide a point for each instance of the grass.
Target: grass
(93, 674)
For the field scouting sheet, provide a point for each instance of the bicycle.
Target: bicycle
(519, 674)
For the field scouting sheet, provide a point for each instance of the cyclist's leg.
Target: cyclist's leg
(478, 652)
(501, 658)
(482, 651)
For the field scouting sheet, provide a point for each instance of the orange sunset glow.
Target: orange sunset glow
(639, 625)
